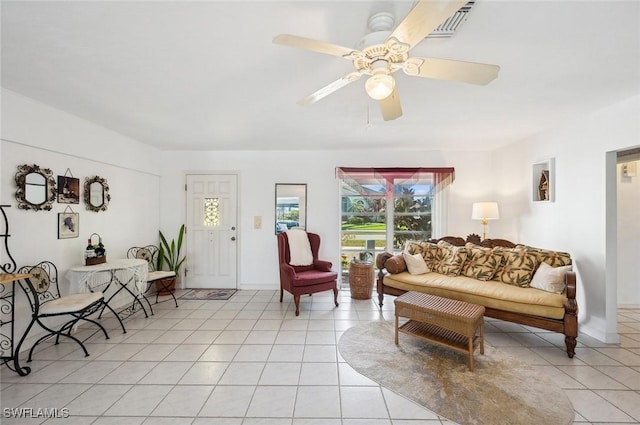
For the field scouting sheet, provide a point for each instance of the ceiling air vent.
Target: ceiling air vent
(450, 26)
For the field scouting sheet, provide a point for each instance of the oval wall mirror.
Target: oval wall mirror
(96, 193)
(36, 188)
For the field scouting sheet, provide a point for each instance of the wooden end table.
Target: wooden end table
(454, 324)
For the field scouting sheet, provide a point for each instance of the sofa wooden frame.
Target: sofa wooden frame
(568, 325)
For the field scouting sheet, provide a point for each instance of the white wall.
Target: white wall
(628, 190)
(260, 171)
(33, 133)
(576, 221)
(147, 187)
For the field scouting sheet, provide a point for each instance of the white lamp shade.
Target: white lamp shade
(485, 211)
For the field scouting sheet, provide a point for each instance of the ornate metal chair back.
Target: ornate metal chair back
(42, 287)
(148, 253)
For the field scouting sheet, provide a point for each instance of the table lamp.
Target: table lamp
(485, 211)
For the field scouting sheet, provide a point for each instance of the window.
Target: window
(384, 207)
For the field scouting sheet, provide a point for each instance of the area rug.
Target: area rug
(208, 294)
(501, 389)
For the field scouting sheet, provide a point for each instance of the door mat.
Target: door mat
(208, 294)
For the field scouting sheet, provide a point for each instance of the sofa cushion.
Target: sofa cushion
(549, 278)
(517, 267)
(395, 264)
(552, 258)
(482, 263)
(491, 294)
(449, 259)
(415, 263)
(429, 251)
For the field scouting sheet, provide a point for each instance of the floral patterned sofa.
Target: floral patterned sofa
(517, 283)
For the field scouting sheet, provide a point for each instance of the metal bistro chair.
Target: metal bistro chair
(163, 280)
(43, 294)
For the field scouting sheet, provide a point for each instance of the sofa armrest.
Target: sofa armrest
(571, 305)
(322, 265)
(382, 258)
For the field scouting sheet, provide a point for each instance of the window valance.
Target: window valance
(439, 177)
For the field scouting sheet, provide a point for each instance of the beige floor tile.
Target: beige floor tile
(220, 353)
(166, 373)
(595, 408)
(318, 402)
(129, 372)
(186, 352)
(362, 402)
(402, 408)
(286, 353)
(204, 373)
(153, 352)
(173, 336)
(319, 374)
(627, 401)
(271, 401)
(141, 400)
(280, 374)
(202, 337)
(228, 401)
(253, 353)
(183, 400)
(96, 399)
(242, 374)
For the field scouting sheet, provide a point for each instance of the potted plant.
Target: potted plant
(170, 253)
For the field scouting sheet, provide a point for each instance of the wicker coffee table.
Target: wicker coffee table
(450, 323)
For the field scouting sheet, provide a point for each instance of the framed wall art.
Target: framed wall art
(68, 190)
(68, 225)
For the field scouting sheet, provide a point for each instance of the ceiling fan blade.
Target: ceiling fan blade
(315, 45)
(330, 88)
(423, 19)
(454, 70)
(390, 106)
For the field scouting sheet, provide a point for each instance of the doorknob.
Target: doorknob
(233, 238)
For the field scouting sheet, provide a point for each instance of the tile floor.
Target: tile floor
(250, 361)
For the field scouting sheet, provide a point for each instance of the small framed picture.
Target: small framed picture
(68, 225)
(68, 190)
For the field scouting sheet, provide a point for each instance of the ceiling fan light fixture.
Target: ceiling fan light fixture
(380, 86)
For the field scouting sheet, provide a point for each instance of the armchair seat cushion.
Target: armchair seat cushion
(314, 277)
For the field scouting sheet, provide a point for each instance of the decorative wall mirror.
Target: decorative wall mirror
(36, 188)
(96, 193)
(291, 206)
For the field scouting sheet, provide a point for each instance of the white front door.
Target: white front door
(212, 231)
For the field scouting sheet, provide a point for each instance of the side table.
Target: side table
(361, 278)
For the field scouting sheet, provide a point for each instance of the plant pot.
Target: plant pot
(166, 286)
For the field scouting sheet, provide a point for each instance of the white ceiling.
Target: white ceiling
(205, 75)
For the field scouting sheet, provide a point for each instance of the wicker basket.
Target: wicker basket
(92, 261)
(361, 277)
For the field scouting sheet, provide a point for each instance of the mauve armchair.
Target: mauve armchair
(309, 279)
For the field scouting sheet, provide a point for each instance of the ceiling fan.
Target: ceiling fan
(385, 52)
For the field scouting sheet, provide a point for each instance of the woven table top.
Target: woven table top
(443, 307)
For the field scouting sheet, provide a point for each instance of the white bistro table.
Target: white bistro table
(129, 275)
